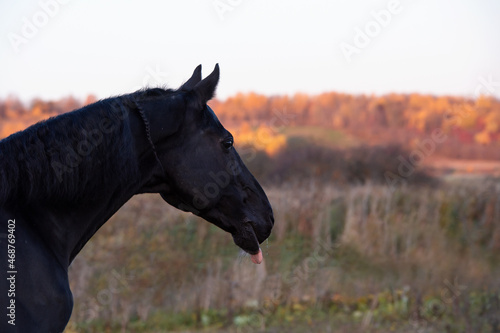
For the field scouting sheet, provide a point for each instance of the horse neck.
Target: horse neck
(69, 195)
(120, 191)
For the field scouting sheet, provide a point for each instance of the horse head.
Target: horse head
(200, 170)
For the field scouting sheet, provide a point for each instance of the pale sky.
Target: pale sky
(53, 48)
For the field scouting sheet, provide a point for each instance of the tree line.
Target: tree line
(471, 126)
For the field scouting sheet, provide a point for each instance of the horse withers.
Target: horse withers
(63, 178)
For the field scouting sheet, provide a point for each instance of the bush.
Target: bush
(358, 165)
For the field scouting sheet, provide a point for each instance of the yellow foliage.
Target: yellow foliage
(418, 120)
(470, 120)
(484, 102)
(263, 138)
(441, 105)
(492, 122)
(483, 137)
(462, 115)
(276, 145)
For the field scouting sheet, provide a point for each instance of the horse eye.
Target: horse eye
(227, 143)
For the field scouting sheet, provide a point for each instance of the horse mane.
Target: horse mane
(68, 158)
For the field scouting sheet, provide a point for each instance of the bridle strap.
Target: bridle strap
(148, 132)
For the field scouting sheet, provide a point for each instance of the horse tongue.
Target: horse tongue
(257, 258)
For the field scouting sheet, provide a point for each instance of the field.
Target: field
(364, 258)
(367, 238)
(345, 255)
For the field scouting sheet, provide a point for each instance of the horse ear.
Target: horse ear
(193, 80)
(205, 89)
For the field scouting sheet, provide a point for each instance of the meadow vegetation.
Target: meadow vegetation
(360, 257)
(350, 251)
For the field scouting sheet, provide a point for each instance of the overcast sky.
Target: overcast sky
(52, 48)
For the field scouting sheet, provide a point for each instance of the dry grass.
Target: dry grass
(330, 246)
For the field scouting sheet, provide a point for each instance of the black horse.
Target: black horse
(63, 178)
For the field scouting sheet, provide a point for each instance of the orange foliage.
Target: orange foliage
(15, 116)
(261, 138)
(483, 138)
(259, 119)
